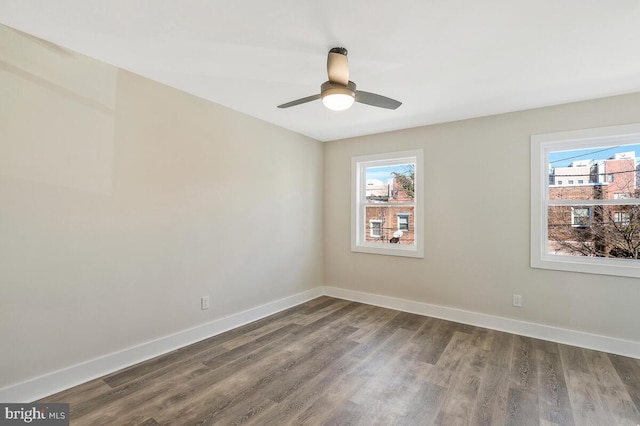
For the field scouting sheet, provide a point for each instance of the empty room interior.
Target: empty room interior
(189, 234)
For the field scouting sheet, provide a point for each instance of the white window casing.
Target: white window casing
(541, 146)
(360, 228)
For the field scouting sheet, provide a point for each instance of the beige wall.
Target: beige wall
(477, 223)
(123, 201)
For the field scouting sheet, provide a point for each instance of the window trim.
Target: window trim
(358, 215)
(541, 146)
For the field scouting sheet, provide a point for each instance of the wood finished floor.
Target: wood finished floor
(330, 361)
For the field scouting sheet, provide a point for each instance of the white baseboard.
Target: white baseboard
(545, 332)
(48, 384)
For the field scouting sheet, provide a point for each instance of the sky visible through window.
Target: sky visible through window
(381, 175)
(565, 158)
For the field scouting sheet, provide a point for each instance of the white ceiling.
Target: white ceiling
(445, 60)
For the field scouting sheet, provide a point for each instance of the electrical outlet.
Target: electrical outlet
(204, 302)
(517, 301)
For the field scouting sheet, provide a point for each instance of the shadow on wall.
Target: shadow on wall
(68, 100)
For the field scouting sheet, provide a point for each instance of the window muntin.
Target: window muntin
(386, 192)
(590, 227)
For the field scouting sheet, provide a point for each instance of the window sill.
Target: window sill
(589, 265)
(389, 250)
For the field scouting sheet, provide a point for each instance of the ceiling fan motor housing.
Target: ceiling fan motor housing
(337, 96)
(330, 88)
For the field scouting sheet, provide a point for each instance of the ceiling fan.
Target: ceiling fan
(339, 93)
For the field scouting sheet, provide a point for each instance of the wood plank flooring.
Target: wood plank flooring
(331, 361)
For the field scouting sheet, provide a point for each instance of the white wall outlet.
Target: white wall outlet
(204, 302)
(517, 300)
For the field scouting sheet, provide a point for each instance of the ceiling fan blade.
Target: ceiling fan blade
(376, 100)
(338, 66)
(299, 101)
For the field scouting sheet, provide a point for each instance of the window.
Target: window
(375, 228)
(622, 218)
(559, 182)
(592, 227)
(580, 181)
(403, 221)
(387, 204)
(570, 182)
(581, 216)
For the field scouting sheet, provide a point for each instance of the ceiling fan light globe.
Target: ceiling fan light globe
(338, 99)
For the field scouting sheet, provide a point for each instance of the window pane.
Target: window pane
(390, 184)
(601, 173)
(596, 231)
(384, 218)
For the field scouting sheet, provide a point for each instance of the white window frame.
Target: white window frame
(358, 195)
(541, 146)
